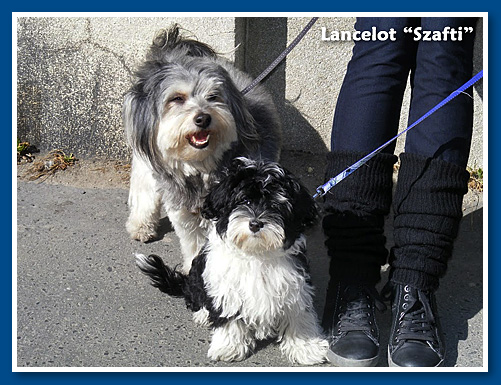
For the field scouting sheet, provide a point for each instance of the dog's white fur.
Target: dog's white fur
(278, 302)
(250, 280)
(148, 191)
(145, 202)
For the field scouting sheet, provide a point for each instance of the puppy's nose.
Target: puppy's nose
(202, 120)
(255, 225)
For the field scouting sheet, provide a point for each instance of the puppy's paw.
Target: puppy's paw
(231, 342)
(305, 351)
(201, 317)
(142, 232)
(228, 353)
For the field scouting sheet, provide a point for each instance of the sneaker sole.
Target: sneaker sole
(391, 364)
(348, 362)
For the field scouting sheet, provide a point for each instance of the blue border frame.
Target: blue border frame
(258, 6)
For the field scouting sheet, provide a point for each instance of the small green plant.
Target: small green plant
(21, 146)
(25, 151)
(476, 179)
(67, 160)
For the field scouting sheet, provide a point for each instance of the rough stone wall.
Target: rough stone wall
(73, 72)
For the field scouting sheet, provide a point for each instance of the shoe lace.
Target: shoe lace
(355, 313)
(415, 320)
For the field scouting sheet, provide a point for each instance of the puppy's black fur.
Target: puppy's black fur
(260, 185)
(191, 287)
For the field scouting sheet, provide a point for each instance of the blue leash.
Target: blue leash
(324, 189)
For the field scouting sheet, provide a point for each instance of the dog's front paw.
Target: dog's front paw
(231, 342)
(142, 232)
(201, 317)
(228, 353)
(305, 351)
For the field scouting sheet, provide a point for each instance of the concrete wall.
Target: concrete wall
(73, 73)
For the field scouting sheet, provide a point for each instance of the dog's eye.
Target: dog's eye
(177, 99)
(245, 202)
(275, 205)
(213, 98)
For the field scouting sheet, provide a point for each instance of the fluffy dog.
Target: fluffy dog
(184, 115)
(250, 281)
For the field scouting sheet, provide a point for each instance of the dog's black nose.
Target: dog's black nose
(255, 225)
(202, 120)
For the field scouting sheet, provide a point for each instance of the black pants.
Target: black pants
(369, 104)
(432, 178)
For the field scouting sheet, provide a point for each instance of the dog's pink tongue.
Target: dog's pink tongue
(200, 139)
(201, 136)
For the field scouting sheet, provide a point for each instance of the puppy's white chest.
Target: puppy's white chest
(254, 288)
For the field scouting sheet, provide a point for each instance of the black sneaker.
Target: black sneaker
(351, 325)
(415, 338)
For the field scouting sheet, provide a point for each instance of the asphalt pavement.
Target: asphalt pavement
(82, 302)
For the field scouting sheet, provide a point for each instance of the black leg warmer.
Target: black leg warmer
(428, 209)
(354, 222)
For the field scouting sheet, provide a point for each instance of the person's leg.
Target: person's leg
(427, 203)
(441, 68)
(366, 116)
(368, 107)
(355, 241)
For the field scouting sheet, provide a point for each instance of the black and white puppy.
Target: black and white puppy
(184, 115)
(250, 281)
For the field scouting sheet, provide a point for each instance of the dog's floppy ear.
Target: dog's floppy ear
(220, 197)
(211, 206)
(140, 122)
(244, 121)
(216, 200)
(304, 206)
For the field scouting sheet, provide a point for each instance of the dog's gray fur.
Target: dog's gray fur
(243, 126)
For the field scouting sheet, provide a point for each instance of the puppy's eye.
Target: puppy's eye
(245, 202)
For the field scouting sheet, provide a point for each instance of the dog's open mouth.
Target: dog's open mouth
(199, 139)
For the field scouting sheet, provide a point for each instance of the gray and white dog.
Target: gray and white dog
(184, 117)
